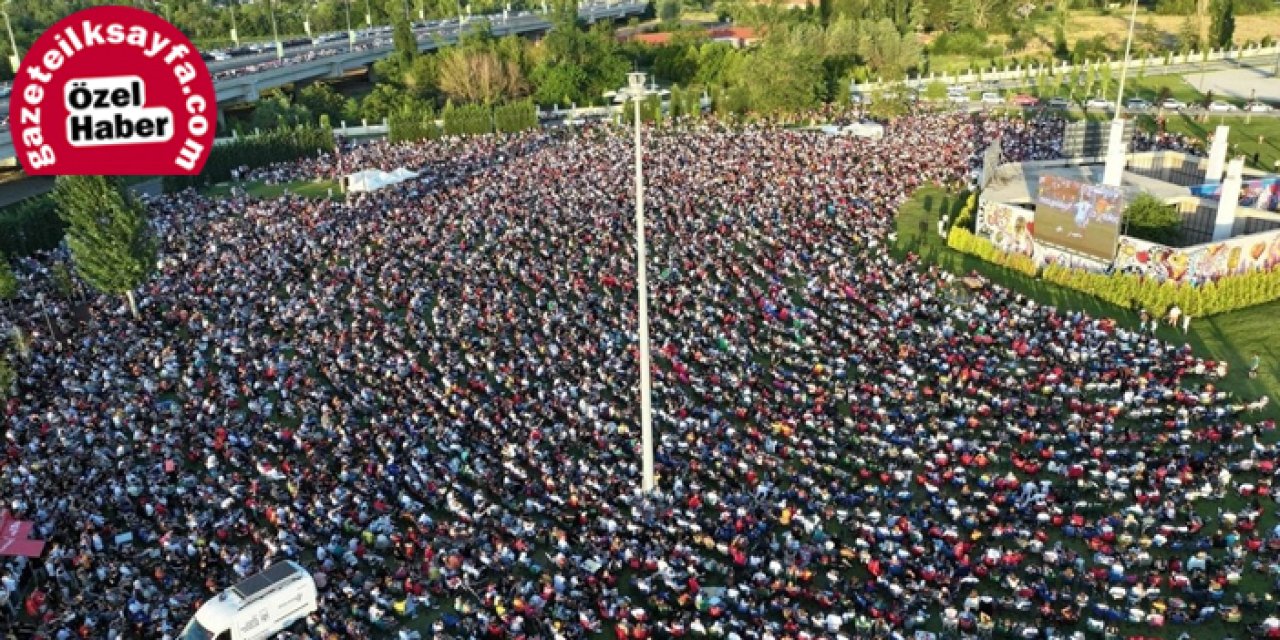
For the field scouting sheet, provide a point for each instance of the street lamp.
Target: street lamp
(636, 92)
(235, 34)
(275, 33)
(351, 33)
(1124, 66)
(14, 58)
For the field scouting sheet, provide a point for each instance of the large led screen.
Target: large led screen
(1079, 217)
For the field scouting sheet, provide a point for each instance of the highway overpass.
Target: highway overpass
(249, 86)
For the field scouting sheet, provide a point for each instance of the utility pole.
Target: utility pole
(275, 33)
(235, 33)
(15, 58)
(1124, 65)
(351, 33)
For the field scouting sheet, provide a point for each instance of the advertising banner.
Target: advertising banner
(1263, 193)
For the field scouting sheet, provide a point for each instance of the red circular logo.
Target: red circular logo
(112, 91)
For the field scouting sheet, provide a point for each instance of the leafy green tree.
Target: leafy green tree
(558, 84)
(677, 62)
(1061, 50)
(780, 78)
(577, 65)
(1151, 219)
(406, 44)
(8, 281)
(1222, 29)
(274, 110)
(669, 11)
(1188, 36)
(62, 282)
(111, 243)
(479, 76)
(321, 99)
(889, 53)
(8, 377)
(717, 63)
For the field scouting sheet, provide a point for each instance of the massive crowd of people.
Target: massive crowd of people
(427, 395)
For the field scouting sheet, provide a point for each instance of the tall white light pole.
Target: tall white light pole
(15, 58)
(275, 33)
(1124, 67)
(636, 92)
(351, 33)
(235, 33)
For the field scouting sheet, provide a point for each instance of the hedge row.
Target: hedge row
(1227, 293)
(29, 226)
(963, 241)
(410, 125)
(515, 117)
(276, 145)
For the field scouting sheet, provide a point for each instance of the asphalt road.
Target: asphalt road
(448, 28)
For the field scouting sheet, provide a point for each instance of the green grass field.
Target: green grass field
(1248, 135)
(306, 189)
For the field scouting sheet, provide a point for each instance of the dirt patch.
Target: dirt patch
(1114, 27)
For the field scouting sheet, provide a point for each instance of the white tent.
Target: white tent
(373, 179)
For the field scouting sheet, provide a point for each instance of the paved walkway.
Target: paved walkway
(1239, 83)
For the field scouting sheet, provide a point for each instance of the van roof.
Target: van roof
(257, 583)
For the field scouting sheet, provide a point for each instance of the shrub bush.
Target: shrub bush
(30, 225)
(408, 125)
(967, 42)
(515, 117)
(468, 119)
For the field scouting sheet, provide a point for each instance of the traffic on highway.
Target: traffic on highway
(258, 57)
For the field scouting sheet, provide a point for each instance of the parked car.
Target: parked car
(1024, 100)
(1173, 103)
(1259, 107)
(1221, 105)
(958, 97)
(1058, 103)
(991, 97)
(1097, 103)
(1137, 104)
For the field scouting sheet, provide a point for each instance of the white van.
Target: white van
(258, 607)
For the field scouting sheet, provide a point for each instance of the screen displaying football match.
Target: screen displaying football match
(1084, 218)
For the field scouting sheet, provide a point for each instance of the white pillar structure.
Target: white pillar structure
(1226, 219)
(1113, 170)
(1217, 154)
